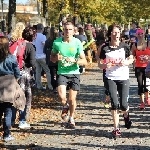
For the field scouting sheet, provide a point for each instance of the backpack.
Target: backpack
(18, 48)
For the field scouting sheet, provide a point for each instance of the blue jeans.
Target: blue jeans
(41, 63)
(22, 114)
(6, 108)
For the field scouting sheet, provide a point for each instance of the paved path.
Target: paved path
(93, 123)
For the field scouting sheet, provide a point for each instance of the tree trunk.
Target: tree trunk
(11, 13)
(45, 8)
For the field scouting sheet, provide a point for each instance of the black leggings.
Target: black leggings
(104, 78)
(123, 91)
(141, 79)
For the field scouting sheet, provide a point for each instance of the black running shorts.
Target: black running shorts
(71, 81)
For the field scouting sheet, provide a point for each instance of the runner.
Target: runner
(141, 51)
(68, 51)
(118, 58)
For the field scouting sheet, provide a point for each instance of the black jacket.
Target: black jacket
(47, 50)
(29, 56)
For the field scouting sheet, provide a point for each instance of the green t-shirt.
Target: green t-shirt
(71, 49)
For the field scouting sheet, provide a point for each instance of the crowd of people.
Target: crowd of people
(29, 51)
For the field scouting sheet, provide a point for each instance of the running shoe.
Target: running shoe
(142, 106)
(71, 123)
(64, 114)
(116, 133)
(127, 121)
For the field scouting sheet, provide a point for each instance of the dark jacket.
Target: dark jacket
(10, 66)
(29, 56)
(81, 37)
(47, 50)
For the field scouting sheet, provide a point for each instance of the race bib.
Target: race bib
(115, 57)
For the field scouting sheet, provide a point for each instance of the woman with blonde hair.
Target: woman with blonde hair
(17, 31)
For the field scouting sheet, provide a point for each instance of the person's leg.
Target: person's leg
(14, 111)
(112, 87)
(1, 112)
(123, 93)
(139, 75)
(22, 115)
(26, 87)
(52, 71)
(72, 102)
(62, 84)
(74, 88)
(89, 55)
(38, 74)
(56, 76)
(107, 100)
(147, 95)
(47, 71)
(7, 121)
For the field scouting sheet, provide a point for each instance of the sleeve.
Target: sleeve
(127, 50)
(102, 54)
(85, 39)
(43, 39)
(32, 56)
(79, 47)
(16, 68)
(44, 49)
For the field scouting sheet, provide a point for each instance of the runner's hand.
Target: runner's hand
(70, 59)
(59, 56)
(109, 65)
(124, 63)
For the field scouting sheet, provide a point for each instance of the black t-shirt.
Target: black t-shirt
(106, 49)
(29, 55)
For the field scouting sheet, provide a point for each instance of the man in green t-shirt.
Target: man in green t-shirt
(68, 51)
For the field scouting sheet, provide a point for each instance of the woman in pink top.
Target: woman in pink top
(141, 52)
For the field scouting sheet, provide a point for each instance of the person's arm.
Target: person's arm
(43, 40)
(100, 56)
(129, 56)
(45, 47)
(55, 55)
(133, 50)
(16, 68)
(82, 60)
(98, 53)
(32, 56)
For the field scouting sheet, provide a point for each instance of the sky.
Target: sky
(18, 1)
